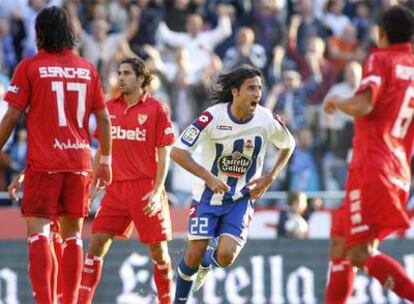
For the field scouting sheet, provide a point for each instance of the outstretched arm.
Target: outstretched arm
(357, 105)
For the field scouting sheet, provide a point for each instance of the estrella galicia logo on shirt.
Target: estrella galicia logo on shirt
(190, 135)
(235, 164)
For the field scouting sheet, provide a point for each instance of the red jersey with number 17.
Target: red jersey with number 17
(58, 91)
(384, 137)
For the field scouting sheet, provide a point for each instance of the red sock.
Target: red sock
(163, 281)
(54, 277)
(92, 270)
(390, 274)
(71, 269)
(340, 281)
(40, 267)
(57, 246)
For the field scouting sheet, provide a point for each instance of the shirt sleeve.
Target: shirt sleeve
(195, 133)
(18, 92)
(164, 130)
(98, 102)
(372, 77)
(281, 136)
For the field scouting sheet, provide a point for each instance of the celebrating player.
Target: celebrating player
(233, 135)
(58, 90)
(142, 134)
(379, 174)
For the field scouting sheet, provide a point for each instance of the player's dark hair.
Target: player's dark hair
(398, 24)
(54, 31)
(140, 69)
(221, 91)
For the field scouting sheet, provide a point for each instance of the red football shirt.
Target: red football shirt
(58, 91)
(137, 130)
(384, 137)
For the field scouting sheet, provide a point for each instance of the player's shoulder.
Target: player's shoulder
(379, 58)
(217, 109)
(157, 104)
(264, 113)
(82, 61)
(26, 63)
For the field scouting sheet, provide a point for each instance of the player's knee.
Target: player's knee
(99, 244)
(193, 258)
(337, 248)
(357, 256)
(225, 258)
(160, 257)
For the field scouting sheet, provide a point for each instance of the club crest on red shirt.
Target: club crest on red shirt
(142, 118)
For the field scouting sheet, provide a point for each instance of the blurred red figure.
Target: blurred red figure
(379, 174)
(58, 91)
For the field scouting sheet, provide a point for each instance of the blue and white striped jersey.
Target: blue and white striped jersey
(232, 150)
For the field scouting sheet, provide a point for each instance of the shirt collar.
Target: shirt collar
(401, 47)
(142, 99)
(63, 52)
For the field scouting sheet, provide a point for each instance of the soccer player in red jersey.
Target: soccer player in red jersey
(56, 242)
(142, 134)
(379, 174)
(58, 91)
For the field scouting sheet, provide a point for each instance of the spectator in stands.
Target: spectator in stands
(268, 20)
(245, 51)
(303, 169)
(315, 50)
(176, 14)
(100, 47)
(290, 98)
(340, 130)
(291, 220)
(199, 44)
(148, 21)
(362, 21)
(304, 26)
(8, 58)
(334, 19)
(345, 48)
(118, 15)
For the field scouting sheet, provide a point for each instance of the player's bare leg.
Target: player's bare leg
(92, 269)
(188, 267)
(162, 271)
(72, 257)
(385, 269)
(341, 273)
(40, 258)
(227, 251)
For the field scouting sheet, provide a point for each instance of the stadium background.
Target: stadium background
(305, 48)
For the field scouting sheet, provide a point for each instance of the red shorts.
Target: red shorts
(122, 207)
(50, 195)
(374, 207)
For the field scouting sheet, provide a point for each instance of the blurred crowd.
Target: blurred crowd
(305, 48)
